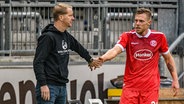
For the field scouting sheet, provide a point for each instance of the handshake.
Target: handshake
(95, 63)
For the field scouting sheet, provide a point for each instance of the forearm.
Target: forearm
(172, 68)
(42, 52)
(110, 54)
(83, 53)
(78, 48)
(39, 72)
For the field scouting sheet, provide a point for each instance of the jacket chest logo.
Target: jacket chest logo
(64, 45)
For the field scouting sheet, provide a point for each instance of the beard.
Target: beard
(139, 30)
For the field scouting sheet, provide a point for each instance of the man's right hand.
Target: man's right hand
(96, 63)
(45, 92)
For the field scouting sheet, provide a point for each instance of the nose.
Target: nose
(73, 18)
(137, 22)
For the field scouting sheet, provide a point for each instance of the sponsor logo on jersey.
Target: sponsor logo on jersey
(153, 43)
(143, 54)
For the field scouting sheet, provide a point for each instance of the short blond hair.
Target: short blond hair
(60, 9)
(144, 11)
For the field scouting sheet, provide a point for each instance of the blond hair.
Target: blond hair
(144, 11)
(60, 9)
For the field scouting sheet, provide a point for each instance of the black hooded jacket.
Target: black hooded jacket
(52, 55)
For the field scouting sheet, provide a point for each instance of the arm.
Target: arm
(77, 47)
(42, 51)
(110, 54)
(172, 69)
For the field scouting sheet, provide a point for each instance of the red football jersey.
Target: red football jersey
(142, 52)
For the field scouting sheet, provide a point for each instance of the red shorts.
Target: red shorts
(139, 97)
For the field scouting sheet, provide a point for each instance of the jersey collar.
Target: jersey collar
(146, 36)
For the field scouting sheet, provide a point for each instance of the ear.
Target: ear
(61, 17)
(149, 22)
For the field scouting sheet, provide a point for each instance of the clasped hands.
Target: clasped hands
(96, 63)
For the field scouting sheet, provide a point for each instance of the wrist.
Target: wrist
(91, 60)
(100, 58)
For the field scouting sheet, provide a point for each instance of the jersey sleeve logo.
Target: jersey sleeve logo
(143, 54)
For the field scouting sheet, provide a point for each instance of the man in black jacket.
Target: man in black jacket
(52, 56)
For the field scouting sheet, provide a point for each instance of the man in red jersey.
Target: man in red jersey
(143, 47)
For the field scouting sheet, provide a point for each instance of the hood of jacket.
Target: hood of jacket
(50, 28)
